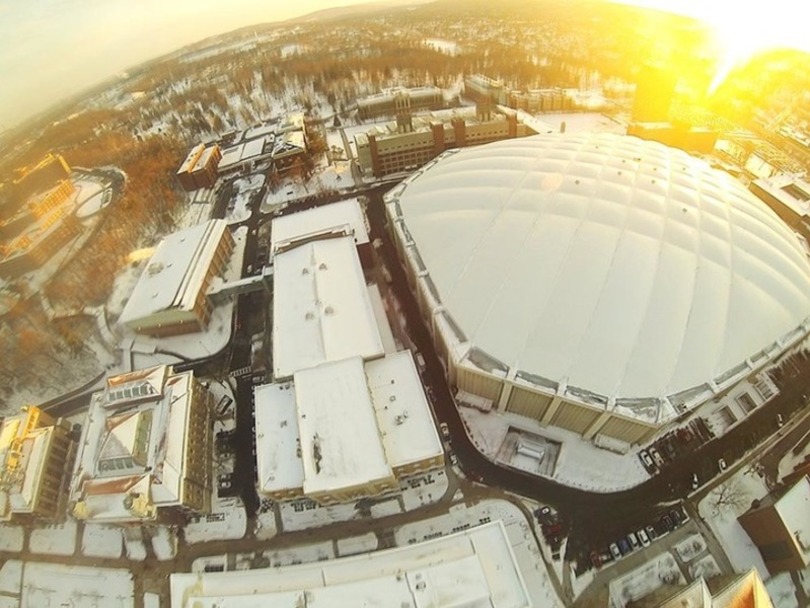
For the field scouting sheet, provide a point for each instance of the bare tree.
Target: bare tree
(730, 497)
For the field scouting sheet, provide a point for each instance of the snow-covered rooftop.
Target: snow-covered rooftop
(794, 509)
(341, 218)
(174, 275)
(791, 191)
(230, 157)
(403, 414)
(321, 309)
(475, 567)
(132, 447)
(278, 458)
(253, 148)
(341, 445)
(619, 266)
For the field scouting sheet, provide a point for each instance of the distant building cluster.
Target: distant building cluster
(400, 99)
(278, 142)
(484, 90)
(146, 449)
(37, 217)
(347, 416)
(412, 141)
(171, 296)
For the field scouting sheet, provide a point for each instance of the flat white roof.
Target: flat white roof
(618, 266)
(403, 413)
(174, 274)
(254, 147)
(230, 156)
(475, 567)
(794, 509)
(278, 461)
(341, 445)
(344, 217)
(321, 308)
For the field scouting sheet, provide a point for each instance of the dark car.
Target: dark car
(677, 517)
(666, 522)
(624, 546)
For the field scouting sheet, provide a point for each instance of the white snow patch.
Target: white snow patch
(100, 540)
(266, 525)
(690, 547)
(314, 516)
(11, 577)
(353, 545)
(11, 538)
(659, 571)
(302, 554)
(56, 539)
(782, 591)
(227, 521)
(76, 586)
(705, 567)
(151, 600)
(164, 544)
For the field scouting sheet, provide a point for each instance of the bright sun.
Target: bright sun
(743, 29)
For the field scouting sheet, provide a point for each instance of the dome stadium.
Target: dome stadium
(598, 282)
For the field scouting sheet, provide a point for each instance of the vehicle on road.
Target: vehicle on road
(445, 430)
(695, 481)
(453, 459)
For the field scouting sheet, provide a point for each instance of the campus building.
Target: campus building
(779, 525)
(39, 219)
(475, 567)
(412, 141)
(171, 296)
(199, 169)
(598, 283)
(344, 430)
(36, 457)
(789, 197)
(146, 449)
(735, 591)
(394, 101)
(482, 89)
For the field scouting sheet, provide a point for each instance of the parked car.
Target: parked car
(646, 460)
(596, 561)
(624, 546)
(656, 456)
(643, 538)
(667, 523)
(695, 481)
(453, 459)
(614, 551)
(633, 540)
(445, 430)
(677, 517)
(721, 464)
(651, 533)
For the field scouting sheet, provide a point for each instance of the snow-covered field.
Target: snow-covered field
(659, 571)
(690, 547)
(53, 585)
(302, 554)
(705, 567)
(164, 544)
(56, 539)
(11, 577)
(357, 544)
(227, 521)
(100, 540)
(11, 538)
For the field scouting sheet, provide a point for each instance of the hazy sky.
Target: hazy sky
(53, 48)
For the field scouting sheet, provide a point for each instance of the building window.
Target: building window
(746, 403)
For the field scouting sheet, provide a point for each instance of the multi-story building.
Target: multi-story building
(171, 296)
(394, 101)
(789, 197)
(344, 430)
(735, 591)
(779, 525)
(36, 457)
(411, 142)
(146, 449)
(199, 169)
(482, 89)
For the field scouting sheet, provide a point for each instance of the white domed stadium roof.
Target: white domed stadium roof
(619, 266)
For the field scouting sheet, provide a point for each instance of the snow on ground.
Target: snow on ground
(295, 516)
(385, 508)
(357, 544)
(151, 600)
(722, 519)
(227, 521)
(164, 543)
(690, 547)
(266, 525)
(581, 582)
(55, 539)
(423, 489)
(11, 538)
(583, 122)
(659, 571)
(100, 540)
(133, 543)
(76, 586)
(448, 47)
(302, 554)
(580, 464)
(11, 577)
(146, 350)
(244, 191)
(9, 602)
(791, 460)
(782, 591)
(705, 567)
(123, 285)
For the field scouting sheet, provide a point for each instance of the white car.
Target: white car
(722, 464)
(642, 536)
(695, 481)
(445, 430)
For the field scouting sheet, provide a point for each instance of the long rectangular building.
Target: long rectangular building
(321, 310)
